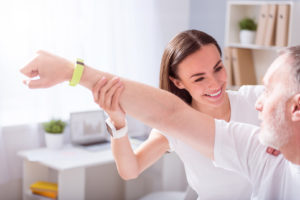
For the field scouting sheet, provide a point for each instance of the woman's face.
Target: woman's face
(203, 75)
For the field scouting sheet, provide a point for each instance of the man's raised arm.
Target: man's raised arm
(155, 107)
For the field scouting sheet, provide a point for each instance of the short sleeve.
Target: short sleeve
(237, 147)
(251, 92)
(171, 140)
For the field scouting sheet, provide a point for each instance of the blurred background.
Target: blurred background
(123, 37)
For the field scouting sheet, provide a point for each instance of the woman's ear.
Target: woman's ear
(296, 107)
(177, 82)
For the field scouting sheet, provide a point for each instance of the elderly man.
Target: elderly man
(234, 146)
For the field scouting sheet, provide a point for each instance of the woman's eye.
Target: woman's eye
(218, 68)
(199, 79)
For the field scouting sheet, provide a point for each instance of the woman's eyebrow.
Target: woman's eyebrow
(216, 65)
(202, 73)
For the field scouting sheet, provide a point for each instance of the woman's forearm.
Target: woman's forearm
(125, 158)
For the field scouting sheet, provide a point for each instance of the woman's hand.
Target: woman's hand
(107, 95)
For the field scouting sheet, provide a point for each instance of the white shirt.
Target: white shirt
(207, 180)
(237, 148)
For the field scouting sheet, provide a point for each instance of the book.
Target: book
(47, 189)
(51, 195)
(261, 25)
(270, 26)
(282, 28)
(228, 66)
(243, 67)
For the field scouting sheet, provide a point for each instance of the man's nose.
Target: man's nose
(258, 104)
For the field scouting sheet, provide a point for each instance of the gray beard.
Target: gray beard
(275, 131)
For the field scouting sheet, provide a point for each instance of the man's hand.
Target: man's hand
(50, 70)
(272, 151)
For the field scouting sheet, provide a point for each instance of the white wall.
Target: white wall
(169, 18)
(209, 16)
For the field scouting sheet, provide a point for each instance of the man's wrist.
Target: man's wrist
(70, 66)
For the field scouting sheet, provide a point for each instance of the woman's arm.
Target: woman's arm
(156, 108)
(129, 163)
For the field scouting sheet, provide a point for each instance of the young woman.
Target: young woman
(192, 69)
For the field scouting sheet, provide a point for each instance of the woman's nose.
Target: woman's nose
(214, 83)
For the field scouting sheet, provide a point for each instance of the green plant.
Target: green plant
(248, 24)
(54, 126)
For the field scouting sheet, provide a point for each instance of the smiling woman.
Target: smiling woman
(192, 69)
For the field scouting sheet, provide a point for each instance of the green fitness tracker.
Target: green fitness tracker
(77, 72)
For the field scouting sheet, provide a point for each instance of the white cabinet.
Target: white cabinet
(263, 55)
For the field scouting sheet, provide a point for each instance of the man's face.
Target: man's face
(272, 105)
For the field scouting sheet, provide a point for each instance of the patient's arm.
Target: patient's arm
(155, 107)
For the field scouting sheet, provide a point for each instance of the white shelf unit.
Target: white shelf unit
(262, 55)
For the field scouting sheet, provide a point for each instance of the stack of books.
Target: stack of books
(240, 66)
(273, 25)
(46, 189)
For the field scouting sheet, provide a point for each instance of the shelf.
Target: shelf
(255, 3)
(36, 197)
(262, 56)
(254, 46)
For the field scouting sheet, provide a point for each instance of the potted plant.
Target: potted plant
(54, 133)
(247, 30)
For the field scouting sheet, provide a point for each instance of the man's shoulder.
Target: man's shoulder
(247, 91)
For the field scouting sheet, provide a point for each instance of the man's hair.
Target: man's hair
(294, 62)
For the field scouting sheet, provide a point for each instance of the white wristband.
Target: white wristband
(113, 131)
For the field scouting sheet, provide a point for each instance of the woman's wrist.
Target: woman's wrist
(114, 131)
(119, 125)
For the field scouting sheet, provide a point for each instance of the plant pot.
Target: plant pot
(54, 141)
(247, 37)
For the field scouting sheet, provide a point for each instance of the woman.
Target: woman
(192, 69)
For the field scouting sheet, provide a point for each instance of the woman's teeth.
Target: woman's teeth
(215, 94)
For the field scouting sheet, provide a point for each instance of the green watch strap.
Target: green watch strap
(77, 72)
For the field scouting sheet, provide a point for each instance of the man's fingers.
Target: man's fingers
(31, 69)
(276, 153)
(39, 83)
(272, 151)
(269, 150)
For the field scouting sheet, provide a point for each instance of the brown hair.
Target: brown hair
(181, 46)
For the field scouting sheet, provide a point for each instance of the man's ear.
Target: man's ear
(177, 82)
(296, 107)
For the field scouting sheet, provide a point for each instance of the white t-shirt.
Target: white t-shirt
(237, 148)
(211, 182)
